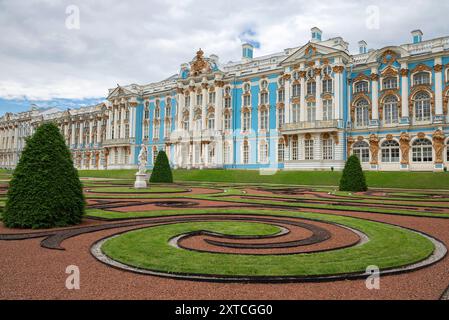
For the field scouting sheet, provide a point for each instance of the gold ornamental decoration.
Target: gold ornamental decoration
(404, 72)
(404, 142)
(199, 65)
(338, 69)
(374, 148)
(350, 141)
(438, 68)
(438, 145)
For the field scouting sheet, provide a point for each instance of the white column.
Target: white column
(179, 108)
(438, 86)
(98, 132)
(375, 90)
(80, 138)
(191, 109)
(288, 105)
(90, 131)
(302, 107)
(337, 92)
(319, 101)
(73, 134)
(404, 89)
(203, 106)
(219, 106)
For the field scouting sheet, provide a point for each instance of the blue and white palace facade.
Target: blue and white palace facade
(305, 108)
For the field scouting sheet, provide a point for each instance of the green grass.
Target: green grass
(389, 247)
(152, 189)
(404, 180)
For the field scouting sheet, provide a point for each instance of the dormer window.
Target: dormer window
(421, 78)
(361, 86)
(390, 83)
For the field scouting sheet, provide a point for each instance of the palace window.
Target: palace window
(246, 121)
(422, 106)
(227, 152)
(390, 83)
(199, 99)
(361, 86)
(246, 100)
(156, 128)
(295, 75)
(185, 122)
(227, 102)
(227, 121)
(212, 97)
(391, 110)
(263, 149)
(211, 121)
(421, 78)
(168, 110)
(295, 113)
(361, 150)
(327, 110)
(327, 70)
(296, 90)
(245, 152)
(264, 84)
(308, 149)
(246, 87)
(264, 98)
(281, 151)
(146, 130)
(187, 101)
(147, 113)
(328, 149)
(294, 149)
(422, 150)
(127, 131)
(127, 114)
(311, 88)
(311, 111)
(157, 113)
(281, 117)
(281, 95)
(167, 126)
(197, 123)
(361, 113)
(264, 119)
(327, 86)
(390, 151)
(155, 152)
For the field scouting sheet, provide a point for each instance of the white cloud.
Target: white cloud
(145, 41)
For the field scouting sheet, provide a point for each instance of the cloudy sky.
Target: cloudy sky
(46, 59)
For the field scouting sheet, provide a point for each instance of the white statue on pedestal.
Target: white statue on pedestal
(141, 176)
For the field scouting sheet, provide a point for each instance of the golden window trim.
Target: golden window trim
(417, 89)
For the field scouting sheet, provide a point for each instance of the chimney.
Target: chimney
(363, 47)
(316, 34)
(247, 51)
(417, 36)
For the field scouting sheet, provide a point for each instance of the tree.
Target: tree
(161, 170)
(45, 190)
(353, 178)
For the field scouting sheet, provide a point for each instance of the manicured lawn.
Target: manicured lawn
(405, 180)
(389, 246)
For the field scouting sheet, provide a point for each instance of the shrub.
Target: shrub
(161, 170)
(45, 190)
(353, 178)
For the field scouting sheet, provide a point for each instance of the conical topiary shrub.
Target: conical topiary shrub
(353, 178)
(45, 190)
(161, 171)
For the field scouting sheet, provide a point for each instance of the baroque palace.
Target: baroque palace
(305, 108)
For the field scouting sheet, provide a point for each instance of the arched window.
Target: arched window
(328, 149)
(361, 86)
(390, 83)
(245, 152)
(422, 150)
(390, 151)
(156, 129)
(327, 110)
(264, 97)
(391, 110)
(167, 128)
(421, 78)
(362, 113)
(168, 108)
(246, 121)
(211, 121)
(281, 150)
(185, 121)
(281, 117)
(294, 149)
(361, 150)
(263, 152)
(422, 106)
(308, 149)
(264, 119)
(227, 102)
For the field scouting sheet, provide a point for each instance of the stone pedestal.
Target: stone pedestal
(141, 181)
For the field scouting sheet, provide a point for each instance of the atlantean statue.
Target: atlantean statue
(141, 176)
